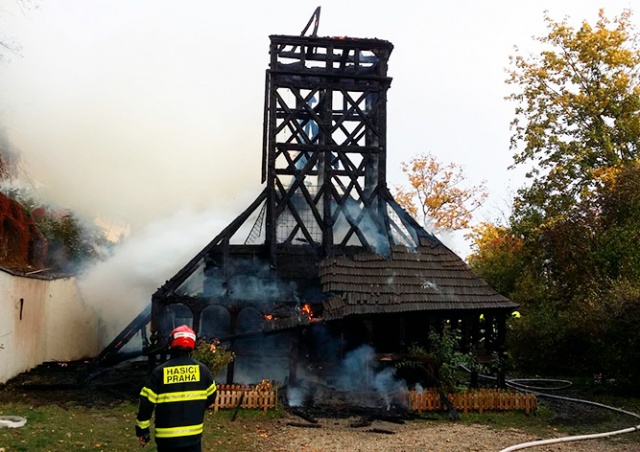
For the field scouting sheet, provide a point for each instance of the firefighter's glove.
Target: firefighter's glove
(145, 439)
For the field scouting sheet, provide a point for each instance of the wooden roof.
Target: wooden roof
(431, 278)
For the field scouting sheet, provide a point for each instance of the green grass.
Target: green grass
(54, 428)
(67, 426)
(535, 423)
(58, 428)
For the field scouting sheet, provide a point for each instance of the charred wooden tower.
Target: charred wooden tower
(325, 246)
(325, 144)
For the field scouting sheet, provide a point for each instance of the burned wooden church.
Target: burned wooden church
(324, 260)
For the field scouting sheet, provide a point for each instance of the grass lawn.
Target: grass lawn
(58, 422)
(70, 428)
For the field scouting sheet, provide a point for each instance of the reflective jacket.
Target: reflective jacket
(180, 390)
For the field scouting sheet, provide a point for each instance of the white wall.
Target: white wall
(51, 323)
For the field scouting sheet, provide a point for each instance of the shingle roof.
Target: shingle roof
(432, 277)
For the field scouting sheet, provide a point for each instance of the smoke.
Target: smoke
(430, 285)
(359, 380)
(367, 225)
(247, 280)
(121, 286)
(261, 286)
(296, 395)
(361, 372)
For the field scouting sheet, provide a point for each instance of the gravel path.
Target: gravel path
(335, 435)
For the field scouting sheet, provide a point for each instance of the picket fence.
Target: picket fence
(245, 396)
(474, 400)
(261, 398)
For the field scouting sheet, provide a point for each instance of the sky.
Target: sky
(148, 113)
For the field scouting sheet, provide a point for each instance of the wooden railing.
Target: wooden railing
(476, 400)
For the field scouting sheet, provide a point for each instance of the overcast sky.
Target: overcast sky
(142, 110)
(136, 109)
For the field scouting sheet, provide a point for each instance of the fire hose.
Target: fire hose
(520, 385)
(12, 421)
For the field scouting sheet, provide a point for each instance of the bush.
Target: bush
(68, 241)
(595, 334)
(213, 355)
(441, 362)
(537, 341)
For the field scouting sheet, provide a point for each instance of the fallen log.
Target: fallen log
(303, 425)
(453, 414)
(380, 430)
(362, 422)
(301, 414)
(235, 412)
(393, 419)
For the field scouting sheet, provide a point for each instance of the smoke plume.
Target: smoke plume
(121, 286)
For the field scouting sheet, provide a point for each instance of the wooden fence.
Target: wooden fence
(246, 396)
(478, 400)
(259, 397)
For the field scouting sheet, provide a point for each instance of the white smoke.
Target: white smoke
(359, 376)
(296, 395)
(366, 224)
(254, 281)
(120, 287)
(360, 372)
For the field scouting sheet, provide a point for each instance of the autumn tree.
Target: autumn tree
(577, 109)
(500, 255)
(577, 124)
(569, 254)
(438, 193)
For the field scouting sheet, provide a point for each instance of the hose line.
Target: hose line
(566, 439)
(524, 386)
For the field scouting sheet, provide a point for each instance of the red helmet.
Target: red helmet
(183, 337)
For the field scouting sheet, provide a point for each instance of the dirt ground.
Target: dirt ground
(291, 433)
(337, 435)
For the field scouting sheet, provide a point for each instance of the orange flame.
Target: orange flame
(268, 317)
(307, 310)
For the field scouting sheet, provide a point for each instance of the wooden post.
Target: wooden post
(293, 358)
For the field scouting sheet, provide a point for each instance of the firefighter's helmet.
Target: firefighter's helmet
(183, 337)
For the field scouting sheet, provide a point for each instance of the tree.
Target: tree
(570, 253)
(578, 109)
(437, 191)
(577, 123)
(7, 44)
(9, 159)
(499, 254)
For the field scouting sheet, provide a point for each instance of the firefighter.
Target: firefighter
(180, 391)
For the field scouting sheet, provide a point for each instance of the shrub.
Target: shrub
(441, 362)
(213, 355)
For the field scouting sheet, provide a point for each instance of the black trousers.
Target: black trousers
(194, 448)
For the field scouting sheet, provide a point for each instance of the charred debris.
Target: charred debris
(324, 262)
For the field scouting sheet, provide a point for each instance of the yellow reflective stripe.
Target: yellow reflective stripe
(186, 430)
(182, 396)
(143, 424)
(149, 394)
(211, 389)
